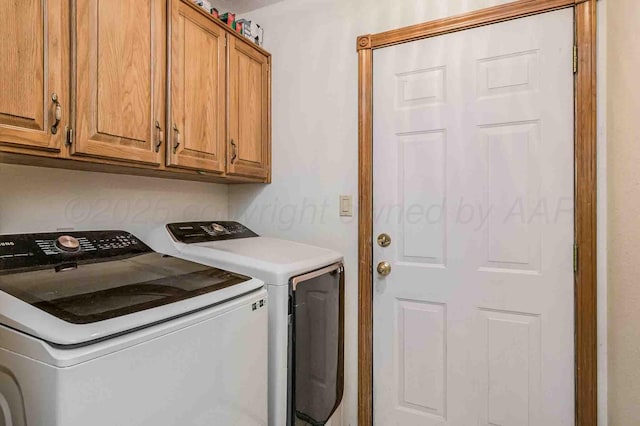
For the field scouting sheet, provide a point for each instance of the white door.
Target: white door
(473, 181)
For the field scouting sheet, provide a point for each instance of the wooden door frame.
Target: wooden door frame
(585, 187)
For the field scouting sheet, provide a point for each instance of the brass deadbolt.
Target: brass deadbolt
(384, 240)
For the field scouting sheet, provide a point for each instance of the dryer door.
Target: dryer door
(318, 345)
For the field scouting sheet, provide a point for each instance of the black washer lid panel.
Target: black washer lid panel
(100, 291)
(201, 232)
(103, 286)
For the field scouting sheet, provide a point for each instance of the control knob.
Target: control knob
(67, 243)
(217, 228)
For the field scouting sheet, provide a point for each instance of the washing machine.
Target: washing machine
(305, 285)
(98, 329)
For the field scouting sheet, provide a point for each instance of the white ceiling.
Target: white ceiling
(240, 6)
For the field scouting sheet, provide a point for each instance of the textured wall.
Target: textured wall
(36, 199)
(623, 117)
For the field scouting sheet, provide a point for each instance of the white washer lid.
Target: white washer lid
(271, 260)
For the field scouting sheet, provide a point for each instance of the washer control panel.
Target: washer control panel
(27, 251)
(200, 232)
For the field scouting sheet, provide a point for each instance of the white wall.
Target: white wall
(315, 130)
(38, 199)
(624, 204)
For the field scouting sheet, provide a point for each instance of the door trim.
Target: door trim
(585, 284)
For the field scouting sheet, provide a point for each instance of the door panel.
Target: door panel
(509, 392)
(119, 75)
(124, 68)
(422, 181)
(32, 39)
(512, 169)
(473, 181)
(198, 83)
(248, 111)
(421, 358)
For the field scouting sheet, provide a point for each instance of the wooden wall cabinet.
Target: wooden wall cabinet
(151, 87)
(198, 85)
(249, 124)
(33, 74)
(119, 79)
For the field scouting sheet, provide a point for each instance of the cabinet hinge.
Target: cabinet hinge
(575, 58)
(69, 141)
(575, 258)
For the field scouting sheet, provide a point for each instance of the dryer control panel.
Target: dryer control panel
(201, 232)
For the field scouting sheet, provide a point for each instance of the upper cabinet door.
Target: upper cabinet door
(198, 87)
(249, 112)
(120, 68)
(33, 73)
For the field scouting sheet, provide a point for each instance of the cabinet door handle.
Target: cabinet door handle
(177, 139)
(159, 136)
(234, 151)
(57, 113)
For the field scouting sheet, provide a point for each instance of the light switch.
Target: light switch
(346, 205)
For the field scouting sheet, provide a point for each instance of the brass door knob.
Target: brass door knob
(384, 268)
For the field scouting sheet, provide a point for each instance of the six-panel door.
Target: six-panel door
(119, 75)
(33, 74)
(249, 128)
(473, 180)
(198, 86)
